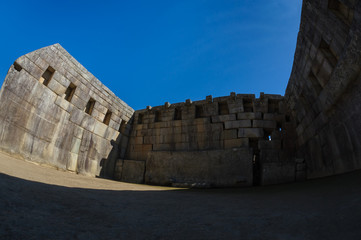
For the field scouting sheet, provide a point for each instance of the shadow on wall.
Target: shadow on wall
(33, 210)
(118, 151)
(107, 164)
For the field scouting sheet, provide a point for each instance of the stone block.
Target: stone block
(236, 143)
(79, 103)
(133, 171)
(100, 129)
(223, 118)
(78, 132)
(75, 146)
(269, 116)
(162, 147)
(30, 67)
(230, 134)
(231, 167)
(250, 132)
(183, 146)
(237, 124)
(249, 115)
(118, 169)
(235, 107)
(138, 140)
(62, 103)
(264, 124)
(72, 162)
(94, 168)
(56, 87)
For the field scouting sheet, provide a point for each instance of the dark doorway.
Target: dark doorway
(253, 142)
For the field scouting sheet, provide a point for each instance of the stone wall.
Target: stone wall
(197, 130)
(54, 111)
(323, 93)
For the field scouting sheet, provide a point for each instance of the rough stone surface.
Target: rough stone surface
(323, 94)
(46, 124)
(133, 171)
(215, 168)
(46, 117)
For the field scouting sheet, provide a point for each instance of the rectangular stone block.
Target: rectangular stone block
(229, 168)
(264, 124)
(147, 147)
(118, 169)
(230, 134)
(56, 87)
(182, 146)
(138, 140)
(72, 162)
(133, 171)
(75, 145)
(79, 103)
(250, 132)
(223, 118)
(161, 147)
(236, 143)
(249, 115)
(237, 124)
(78, 132)
(100, 129)
(235, 107)
(62, 103)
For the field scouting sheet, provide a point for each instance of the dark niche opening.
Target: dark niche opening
(177, 114)
(107, 117)
(47, 75)
(69, 93)
(90, 106)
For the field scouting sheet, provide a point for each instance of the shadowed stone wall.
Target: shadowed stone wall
(323, 93)
(54, 111)
(238, 140)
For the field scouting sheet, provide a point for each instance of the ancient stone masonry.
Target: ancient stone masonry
(323, 94)
(237, 140)
(54, 111)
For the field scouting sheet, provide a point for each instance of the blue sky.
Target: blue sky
(152, 52)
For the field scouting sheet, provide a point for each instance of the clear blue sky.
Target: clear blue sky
(150, 52)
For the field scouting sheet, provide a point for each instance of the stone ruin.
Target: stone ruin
(53, 111)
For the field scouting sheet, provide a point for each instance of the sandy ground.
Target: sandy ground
(38, 202)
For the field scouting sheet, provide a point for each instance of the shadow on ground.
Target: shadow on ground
(323, 209)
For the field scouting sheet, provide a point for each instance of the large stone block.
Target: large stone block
(236, 143)
(223, 118)
(237, 124)
(250, 132)
(133, 171)
(264, 124)
(219, 168)
(249, 115)
(230, 134)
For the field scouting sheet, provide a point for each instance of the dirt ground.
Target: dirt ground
(38, 202)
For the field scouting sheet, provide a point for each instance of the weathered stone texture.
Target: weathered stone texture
(41, 120)
(213, 168)
(54, 111)
(323, 94)
(214, 125)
